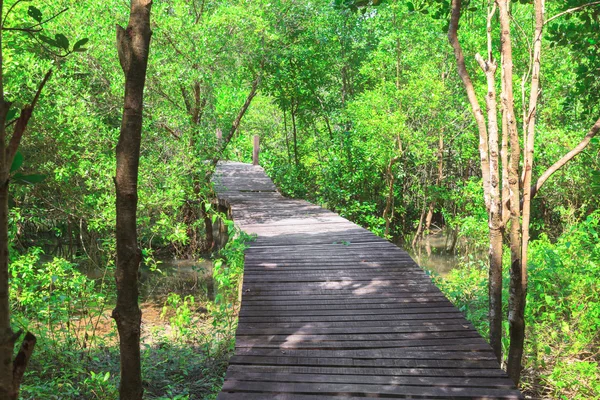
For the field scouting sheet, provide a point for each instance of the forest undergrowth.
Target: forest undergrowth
(188, 328)
(562, 348)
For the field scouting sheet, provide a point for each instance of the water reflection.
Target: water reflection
(431, 254)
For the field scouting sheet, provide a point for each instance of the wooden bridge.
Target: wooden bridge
(331, 311)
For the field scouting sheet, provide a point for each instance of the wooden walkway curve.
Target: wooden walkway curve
(331, 311)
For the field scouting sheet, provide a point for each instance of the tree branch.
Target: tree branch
(171, 131)
(32, 28)
(22, 359)
(572, 10)
(566, 158)
(22, 122)
(476, 108)
(238, 119)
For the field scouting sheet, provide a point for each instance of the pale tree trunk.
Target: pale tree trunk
(419, 232)
(513, 157)
(294, 133)
(388, 213)
(429, 217)
(518, 287)
(438, 180)
(496, 228)
(287, 139)
(488, 151)
(133, 46)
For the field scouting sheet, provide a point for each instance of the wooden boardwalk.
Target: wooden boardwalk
(331, 311)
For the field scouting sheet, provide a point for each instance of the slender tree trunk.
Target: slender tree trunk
(419, 232)
(489, 67)
(438, 180)
(133, 45)
(11, 369)
(294, 134)
(489, 152)
(388, 213)
(196, 110)
(287, 139)
(429, 217)
(518, 290)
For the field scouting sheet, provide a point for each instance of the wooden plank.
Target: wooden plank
(370, 372)
(497, 382)
(373, 362)
(348, 388)
(249, 312)
(470, 335)
(332, 344)
(395, 306)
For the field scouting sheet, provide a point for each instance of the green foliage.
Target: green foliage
(55, 294)
(227, 274)
(562, 314)
(184, 313)
(346, 87)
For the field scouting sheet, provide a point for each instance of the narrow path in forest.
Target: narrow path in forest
(329, 310)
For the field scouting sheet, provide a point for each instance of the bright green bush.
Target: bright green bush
(562, 348)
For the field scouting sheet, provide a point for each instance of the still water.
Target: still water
(430, 253)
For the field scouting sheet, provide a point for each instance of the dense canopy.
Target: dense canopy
(411, 118)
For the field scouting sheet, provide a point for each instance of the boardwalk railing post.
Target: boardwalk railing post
(255, 150)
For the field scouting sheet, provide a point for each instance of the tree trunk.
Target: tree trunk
(388, 213)
(133, 45)
(7, 340)
(489, 67)
(419, 232)
(287, 139)
(11, 370)
(489, 154)
(518, 291)
(294, 133)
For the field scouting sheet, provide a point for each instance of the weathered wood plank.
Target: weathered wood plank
(350, 389)
(499, 382)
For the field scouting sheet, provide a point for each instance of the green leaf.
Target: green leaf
(106, 376)
(35, 13)
(411, 6)
(28, 179)
(11, 114)
(17, 162)
(62, 41)
(48, 40)
(79, 45)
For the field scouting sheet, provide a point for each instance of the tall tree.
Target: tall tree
(508, 194)
(12, 368)
(133, 45)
